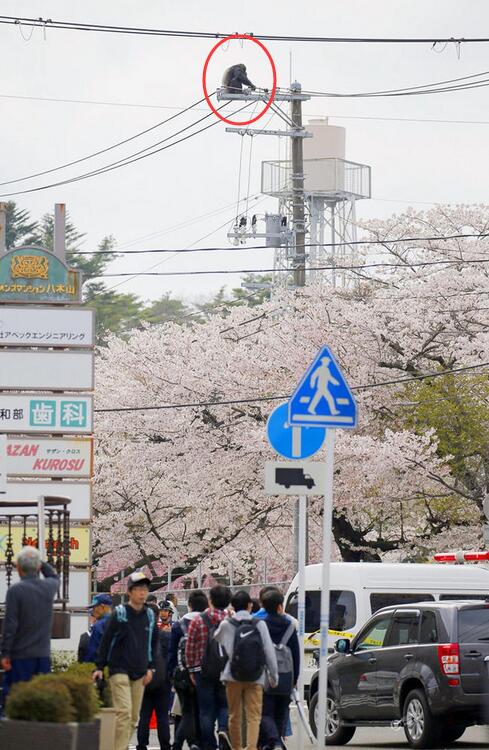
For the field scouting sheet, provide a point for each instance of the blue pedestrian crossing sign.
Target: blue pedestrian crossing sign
(323, 398)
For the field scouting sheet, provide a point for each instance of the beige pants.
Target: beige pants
(250, 695)
(127, 696)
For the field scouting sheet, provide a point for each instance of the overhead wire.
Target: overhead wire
(108, 148)
(261, 399)
(49, 23)
(138, 156)
(383, 242)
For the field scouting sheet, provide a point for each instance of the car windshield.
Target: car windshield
(473, 625)
(342, 610)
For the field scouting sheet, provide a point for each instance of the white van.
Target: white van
(357, 590)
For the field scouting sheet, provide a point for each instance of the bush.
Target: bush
(81, 689)
(30, 702)
(87, 669)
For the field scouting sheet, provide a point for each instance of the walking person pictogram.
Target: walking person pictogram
(321, 379)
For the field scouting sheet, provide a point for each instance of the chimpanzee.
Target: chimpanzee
(234, 78)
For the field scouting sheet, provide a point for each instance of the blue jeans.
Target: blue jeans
(212, 707)
(23, 670)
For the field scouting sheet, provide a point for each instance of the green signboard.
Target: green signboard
(35, 275)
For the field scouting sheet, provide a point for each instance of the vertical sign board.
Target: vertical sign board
(3, 466)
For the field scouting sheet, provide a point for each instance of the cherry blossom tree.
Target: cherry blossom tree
(180, 482)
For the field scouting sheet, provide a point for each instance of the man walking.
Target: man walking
(128, 644)
(283, 632)
(205, 662)
(100, 609)
(26, 640)
(248, 645)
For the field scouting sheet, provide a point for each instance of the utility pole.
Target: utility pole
(298, 212)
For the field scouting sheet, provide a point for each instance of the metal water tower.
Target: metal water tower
(332, 185)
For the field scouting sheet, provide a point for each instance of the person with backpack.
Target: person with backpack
(128, 646)
(251, 654)
(188, 728)
(205, 662)
(157, 694)
(276, 699)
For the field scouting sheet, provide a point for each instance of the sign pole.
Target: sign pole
(301, 606)
(324, 620)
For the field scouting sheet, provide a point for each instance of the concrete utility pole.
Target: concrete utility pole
(298, 211)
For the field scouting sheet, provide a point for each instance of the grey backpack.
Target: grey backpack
(285, 665)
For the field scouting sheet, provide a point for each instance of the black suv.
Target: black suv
(422, 666)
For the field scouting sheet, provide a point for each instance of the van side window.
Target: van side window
(428, 632)
(342, 610)
(404, 630)
(465, 597)
(389, 598)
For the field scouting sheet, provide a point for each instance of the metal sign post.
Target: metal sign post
(301, 606)
(324, 619)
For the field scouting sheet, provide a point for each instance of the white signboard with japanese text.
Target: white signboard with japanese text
(37, 326)
(41, 371)
(27, 413)
(3, 466)
(80, 494)
(50, 457)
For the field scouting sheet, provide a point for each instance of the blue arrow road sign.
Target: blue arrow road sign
(322, 398)
(292, 442)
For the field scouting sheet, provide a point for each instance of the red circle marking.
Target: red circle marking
(274, 74)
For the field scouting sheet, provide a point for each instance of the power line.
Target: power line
(260, 399)
(48, 23)
(401, 92)
(108, 148)
(129, 160)
(307, 244)
(227, 271)
(94, 102)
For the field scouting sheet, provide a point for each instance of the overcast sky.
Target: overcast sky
(193, 185)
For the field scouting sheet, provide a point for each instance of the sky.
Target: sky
(186, 195)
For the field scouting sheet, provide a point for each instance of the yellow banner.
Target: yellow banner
(79, 542)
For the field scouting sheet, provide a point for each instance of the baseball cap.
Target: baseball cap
(138, 579)
(105, 599)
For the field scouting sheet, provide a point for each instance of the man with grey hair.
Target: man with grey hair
(26, 639)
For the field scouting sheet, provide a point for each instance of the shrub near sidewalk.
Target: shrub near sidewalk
(52, 712)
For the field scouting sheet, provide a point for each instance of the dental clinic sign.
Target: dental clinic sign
(35, 275)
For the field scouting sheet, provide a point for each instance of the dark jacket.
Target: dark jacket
(83, 646)
(161, 677)
(29, 616)
(96, 634)
(277, 625)
(128, 647)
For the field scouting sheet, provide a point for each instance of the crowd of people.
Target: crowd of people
(223, 673)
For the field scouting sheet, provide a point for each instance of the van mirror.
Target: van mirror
(342, 646)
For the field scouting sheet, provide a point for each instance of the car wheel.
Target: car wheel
(336, 733)
(421, 728)
(453, 733)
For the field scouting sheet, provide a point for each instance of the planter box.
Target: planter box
(88, 735)
(37, 734)
(108, 719)
(48, 736)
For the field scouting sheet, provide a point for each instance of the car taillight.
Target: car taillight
(449, 658)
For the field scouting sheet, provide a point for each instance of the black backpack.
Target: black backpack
(181, 677)
(214, 658)
(248, 660)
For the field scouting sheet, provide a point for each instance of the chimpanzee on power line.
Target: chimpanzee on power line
(234, 78)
